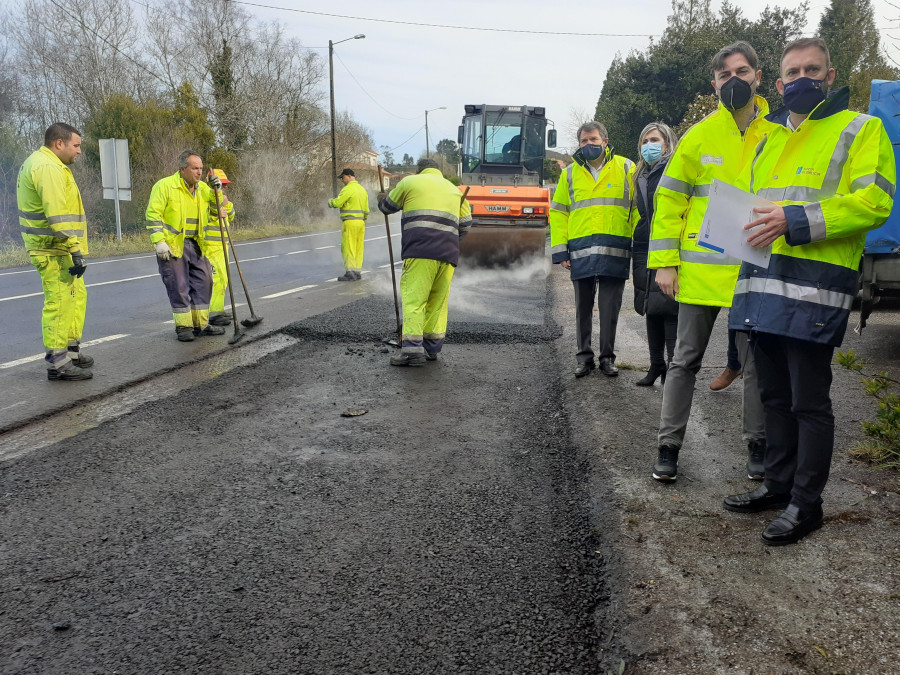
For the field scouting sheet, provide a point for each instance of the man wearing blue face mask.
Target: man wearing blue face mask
(702, 281)
(832, 175)
(590, 235)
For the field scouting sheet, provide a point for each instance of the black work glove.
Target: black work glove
(78, 266)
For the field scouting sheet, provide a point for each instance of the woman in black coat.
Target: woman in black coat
(657, 142)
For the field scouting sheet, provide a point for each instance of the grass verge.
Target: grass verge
(13, 254)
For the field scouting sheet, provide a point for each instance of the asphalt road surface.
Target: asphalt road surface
(296, 505)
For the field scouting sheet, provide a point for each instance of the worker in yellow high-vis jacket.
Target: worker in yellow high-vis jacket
(435, 217)
(51, 216)
(702, 281)
(353, 201)
(831, 175)
(211, 244)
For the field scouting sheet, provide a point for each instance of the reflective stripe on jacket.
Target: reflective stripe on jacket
(51, 214)
(835, 177)
(712, 148)
(435, 216)
(211, 240)
(591, 222)
(173, 213)
(353, 201)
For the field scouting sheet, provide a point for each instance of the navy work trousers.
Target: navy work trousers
(188, 281)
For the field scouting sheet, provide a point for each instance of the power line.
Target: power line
(368, 94)
(406, 141)
(440, 25)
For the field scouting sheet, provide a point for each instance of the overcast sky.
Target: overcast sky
(402, 69)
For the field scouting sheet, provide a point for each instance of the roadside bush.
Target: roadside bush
(883, 445)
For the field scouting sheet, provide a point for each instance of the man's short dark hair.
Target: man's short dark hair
(739, 47)
(185, 156)
(59, 132)
(425, 163)
(803, 43)
(348, 172)
(592, 126)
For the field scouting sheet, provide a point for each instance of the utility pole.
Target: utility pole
(334, 181)
(427, 146)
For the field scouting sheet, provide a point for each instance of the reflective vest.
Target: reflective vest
(712, 148)
(211, 239)
(51, 214)
(353, 201)
(835, 177)
(435, 216)
(173, 213)
(591, 221)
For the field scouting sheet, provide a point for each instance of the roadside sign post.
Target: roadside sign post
(115, 174)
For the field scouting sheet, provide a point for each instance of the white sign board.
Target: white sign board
(115, 168)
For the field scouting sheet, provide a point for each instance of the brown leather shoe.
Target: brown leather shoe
(724, 379)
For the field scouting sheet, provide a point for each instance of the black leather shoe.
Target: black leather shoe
(608, 368)
(583, 369)
(758, 500)
(792, 525)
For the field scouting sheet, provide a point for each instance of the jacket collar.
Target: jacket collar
(47, 152)
(837, 101)
(762, 110)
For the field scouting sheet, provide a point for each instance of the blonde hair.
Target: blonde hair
(671, 140)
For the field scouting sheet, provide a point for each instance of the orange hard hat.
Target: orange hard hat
(221, 175)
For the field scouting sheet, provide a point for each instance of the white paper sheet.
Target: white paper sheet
(728, 211)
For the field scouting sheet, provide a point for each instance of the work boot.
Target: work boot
(220, 320)
(608, 368)
(209, 330)
(69, 374)
(724, 379)
(756, 457)
(184, 334)
(347, 276)
(356, 275)
(408, 360)
(584, 368)
(666, 468)
(81, 360)
(430, 357)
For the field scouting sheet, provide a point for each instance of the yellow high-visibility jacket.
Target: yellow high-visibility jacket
(435, 216)
(712, 148)
(173, 213)
(591, 222)
(353, 201)
(211, 241)
(51, 214)
(835, 176)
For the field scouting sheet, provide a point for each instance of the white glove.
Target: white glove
(215, 182)
(163, 252)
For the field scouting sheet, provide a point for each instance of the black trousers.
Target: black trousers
(608, 292)
(795, 387)
(662, 329)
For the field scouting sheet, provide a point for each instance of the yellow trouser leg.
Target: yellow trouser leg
(353, 234)
(220, 282)
(65, 303)
(415, 290)
(435, 327)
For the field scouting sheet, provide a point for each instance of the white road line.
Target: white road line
(376, 238)
(293, 290)
(322, 248)
(119, 281)
(39, 357)
(306, 250)
(91, 261)
(265, 257)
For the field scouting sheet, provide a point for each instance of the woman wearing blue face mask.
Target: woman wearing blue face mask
(656, 144)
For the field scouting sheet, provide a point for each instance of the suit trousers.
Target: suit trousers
(608, 292)
(795, 382)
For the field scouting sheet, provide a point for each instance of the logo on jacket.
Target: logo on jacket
(807, 171)
(711, 159)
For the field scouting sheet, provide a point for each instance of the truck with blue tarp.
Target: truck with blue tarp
(880, 267)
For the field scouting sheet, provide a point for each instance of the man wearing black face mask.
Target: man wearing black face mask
(831, 173)
(701, 280)
(590, 235)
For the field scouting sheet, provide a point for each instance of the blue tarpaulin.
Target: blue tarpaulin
(885, 103)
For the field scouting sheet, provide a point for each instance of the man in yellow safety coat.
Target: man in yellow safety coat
(211, 245)
(717, 147)
(832, 177)
(177, 215)
(353, 201)
(51, 216)
(435, 217)
(590, 235)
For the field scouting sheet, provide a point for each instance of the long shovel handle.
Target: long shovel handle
(387, 227)
(237, 264)
(237, 333)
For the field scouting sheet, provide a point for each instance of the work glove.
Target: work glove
(163, 252)
(78, 266)
(382, 196)
(215, 182)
